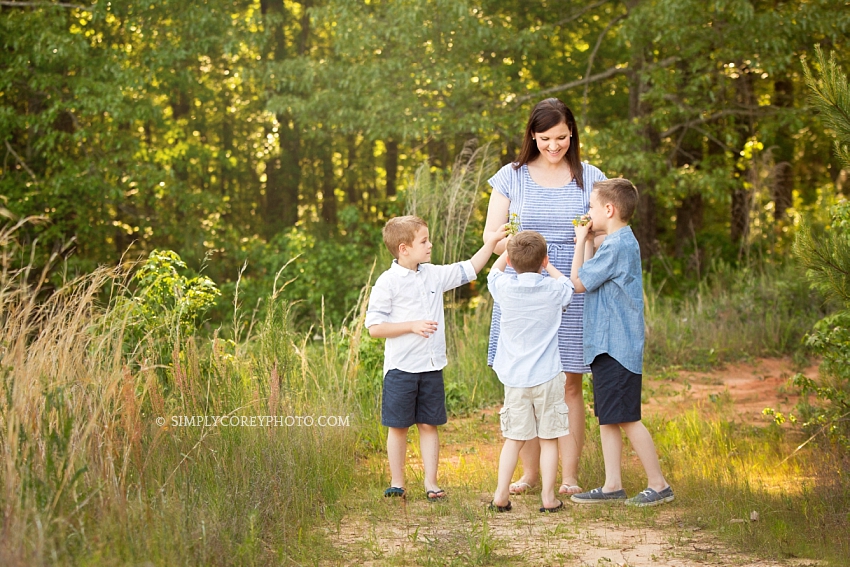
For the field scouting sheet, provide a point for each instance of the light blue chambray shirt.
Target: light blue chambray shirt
(527, 353)
(613, 304)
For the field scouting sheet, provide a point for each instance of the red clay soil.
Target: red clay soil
(750, 386)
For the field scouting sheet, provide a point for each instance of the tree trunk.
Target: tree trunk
(740, 213)
(645, 223)
(391, 166)
(329, 207)
(741, 197)
(783, 154)
(350, 174)
(689, 212)
(688, 222)
(283, 172)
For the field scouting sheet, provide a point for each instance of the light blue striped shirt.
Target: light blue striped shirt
(613, 302)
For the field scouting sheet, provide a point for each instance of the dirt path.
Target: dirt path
(377, 532)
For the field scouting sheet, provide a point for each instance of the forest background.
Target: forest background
(265, 131)
(192, 195)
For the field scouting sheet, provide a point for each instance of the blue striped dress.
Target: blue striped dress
(549, 211)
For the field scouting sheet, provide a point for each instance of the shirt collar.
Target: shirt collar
(620, 232)
(529, 278)
(400, 270)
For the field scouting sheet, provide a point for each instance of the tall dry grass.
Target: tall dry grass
(88, 475)
(733, 313)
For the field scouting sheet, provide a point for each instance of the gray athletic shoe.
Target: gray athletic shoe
(596, 496)
(651, 498)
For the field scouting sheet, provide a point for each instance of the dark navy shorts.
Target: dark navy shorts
(413, 397)
(616, 391)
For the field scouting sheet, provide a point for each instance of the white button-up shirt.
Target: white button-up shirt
(401, 295)
(527, 353)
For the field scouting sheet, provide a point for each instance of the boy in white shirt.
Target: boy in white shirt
(406, 308)
(528, 361)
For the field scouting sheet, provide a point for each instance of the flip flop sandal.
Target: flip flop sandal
(553, 509)
(506, 508)
(519, 488)
(394, 492)
(436, 495)
(570, 489)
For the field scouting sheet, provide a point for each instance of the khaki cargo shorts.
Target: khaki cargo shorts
(536, 412)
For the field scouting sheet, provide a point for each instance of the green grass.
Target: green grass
(721, 473)
(90, 478)
(733, 314)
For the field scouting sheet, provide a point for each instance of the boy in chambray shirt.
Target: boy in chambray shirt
(614, 338)
(406, 308)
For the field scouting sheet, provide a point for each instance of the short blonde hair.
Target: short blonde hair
(621, 193)
(526, 251)
(401, 230)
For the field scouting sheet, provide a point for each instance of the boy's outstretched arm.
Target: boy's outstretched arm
(422, 328)
(553, 271)
(479, 260)
(501, 263)
(578, 258)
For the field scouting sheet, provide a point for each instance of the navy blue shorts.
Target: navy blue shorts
(413, 397)
(616, 391)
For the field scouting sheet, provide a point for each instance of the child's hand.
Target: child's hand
(582, 230)
(581, 220)
(500, 233)
(424, 328)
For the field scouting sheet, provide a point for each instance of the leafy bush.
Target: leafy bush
(164, 296)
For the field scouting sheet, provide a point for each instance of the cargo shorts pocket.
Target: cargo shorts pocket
(562, 413)
(505, 420)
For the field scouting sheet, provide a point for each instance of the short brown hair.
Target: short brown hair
(401, 230)
(621, 193)
(526, 251)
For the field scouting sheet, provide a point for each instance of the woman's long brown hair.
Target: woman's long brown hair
(545, 115)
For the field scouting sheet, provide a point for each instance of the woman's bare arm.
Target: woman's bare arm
(497, 216)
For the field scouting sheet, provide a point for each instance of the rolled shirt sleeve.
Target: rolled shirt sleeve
(380, 304)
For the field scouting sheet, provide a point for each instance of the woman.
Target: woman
(547, 187)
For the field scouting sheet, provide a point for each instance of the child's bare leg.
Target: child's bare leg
(612, 452)
(507, 463)
(548, 471)
(529, 456)
(396, 452)
(641, 440)
(429, 447)
(571, 445)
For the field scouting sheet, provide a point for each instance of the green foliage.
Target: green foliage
(165, 297)
(826, 255)
(217, 129)
(829, 340)
(324, 273)
(830, 95)
(733, 313)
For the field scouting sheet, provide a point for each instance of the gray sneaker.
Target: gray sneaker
(651, 498)
(596, 496)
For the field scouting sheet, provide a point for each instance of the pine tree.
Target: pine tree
(826, 256)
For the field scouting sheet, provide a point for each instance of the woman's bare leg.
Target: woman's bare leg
(571, 445)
